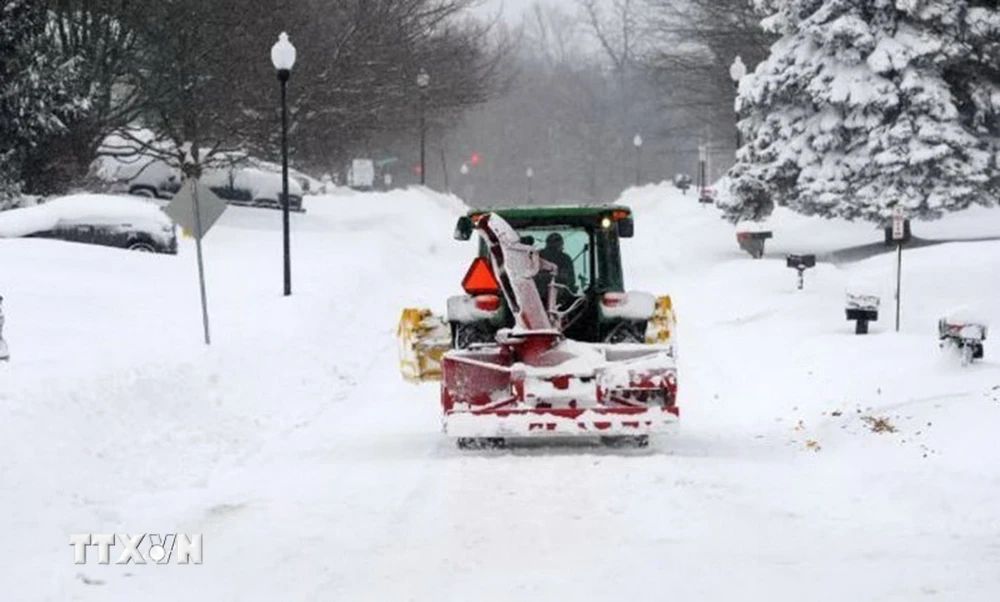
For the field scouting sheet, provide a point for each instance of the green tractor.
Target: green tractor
(587, 300)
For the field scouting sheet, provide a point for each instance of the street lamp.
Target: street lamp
(637, 142)
(736, 72)
(423, 80)
(530, 173)
(283, 58)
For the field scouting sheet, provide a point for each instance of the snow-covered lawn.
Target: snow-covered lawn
(315, 473)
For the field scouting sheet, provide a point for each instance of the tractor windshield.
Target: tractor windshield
(568, 248)
(589, 259)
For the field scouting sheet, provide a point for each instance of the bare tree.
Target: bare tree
(692, 44)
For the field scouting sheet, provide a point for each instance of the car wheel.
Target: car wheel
(143, 191)
(142, 246)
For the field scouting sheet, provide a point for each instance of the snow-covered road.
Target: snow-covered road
(315, 473)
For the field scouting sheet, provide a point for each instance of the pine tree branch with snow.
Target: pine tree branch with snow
(865, 104)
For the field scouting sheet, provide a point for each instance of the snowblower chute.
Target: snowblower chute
(532, 380)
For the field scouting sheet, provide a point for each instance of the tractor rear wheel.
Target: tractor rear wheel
(481, 443)
(638, 441)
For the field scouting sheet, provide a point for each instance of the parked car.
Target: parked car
(150, 178)
(253, 187)
(114, 221)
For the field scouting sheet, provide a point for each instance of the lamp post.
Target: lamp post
(529, 173)
(423, 80)
(736, 72)
(702, 159)
(283, 58)
(637, 142)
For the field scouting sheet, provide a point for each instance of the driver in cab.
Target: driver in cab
(565, 274)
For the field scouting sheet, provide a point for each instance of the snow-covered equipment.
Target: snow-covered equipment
(963, 333)
(4, 352)
(753, 241)
(423, 339)
(862, 309)
(800, 263)
(589, 318)
(533, 380)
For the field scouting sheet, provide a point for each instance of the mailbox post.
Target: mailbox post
(801, 263)
(863, 309)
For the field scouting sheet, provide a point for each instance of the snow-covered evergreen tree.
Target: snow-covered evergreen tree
(864, 104)
(35, 88)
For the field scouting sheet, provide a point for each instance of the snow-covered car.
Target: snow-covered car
(151, 178)
(114, 221)
(252, 186)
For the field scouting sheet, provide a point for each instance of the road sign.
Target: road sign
(898, 230)
(181, 208)
(898, 234)
(196, 209)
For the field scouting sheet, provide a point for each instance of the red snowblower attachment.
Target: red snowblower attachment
(534, 381)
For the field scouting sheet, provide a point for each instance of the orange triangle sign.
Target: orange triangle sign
(479, 280)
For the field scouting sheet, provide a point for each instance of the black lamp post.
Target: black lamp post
(423, 80)
(736, 72)
(283, 58)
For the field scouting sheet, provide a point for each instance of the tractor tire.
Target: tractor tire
(622, 441)
(478, 443)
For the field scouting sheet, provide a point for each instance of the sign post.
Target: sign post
(898, 233)
(195, 208)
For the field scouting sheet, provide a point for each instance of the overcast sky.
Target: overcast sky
(513, 8)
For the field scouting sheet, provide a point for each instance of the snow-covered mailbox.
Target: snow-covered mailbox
(707, 195)
(753, 242)
(4, 353)
(800, 263)
(862, 309)
(964, 333)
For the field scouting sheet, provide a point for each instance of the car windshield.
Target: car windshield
(576, 246)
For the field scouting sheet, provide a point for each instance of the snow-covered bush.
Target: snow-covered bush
(864, 104)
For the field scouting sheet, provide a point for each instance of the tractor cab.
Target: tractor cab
(586, 289)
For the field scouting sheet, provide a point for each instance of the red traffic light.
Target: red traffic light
(475, 159)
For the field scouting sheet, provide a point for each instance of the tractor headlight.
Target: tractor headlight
(606, 222)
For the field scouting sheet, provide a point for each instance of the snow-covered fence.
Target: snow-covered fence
(863, 309)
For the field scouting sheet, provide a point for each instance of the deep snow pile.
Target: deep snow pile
(314, 472)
